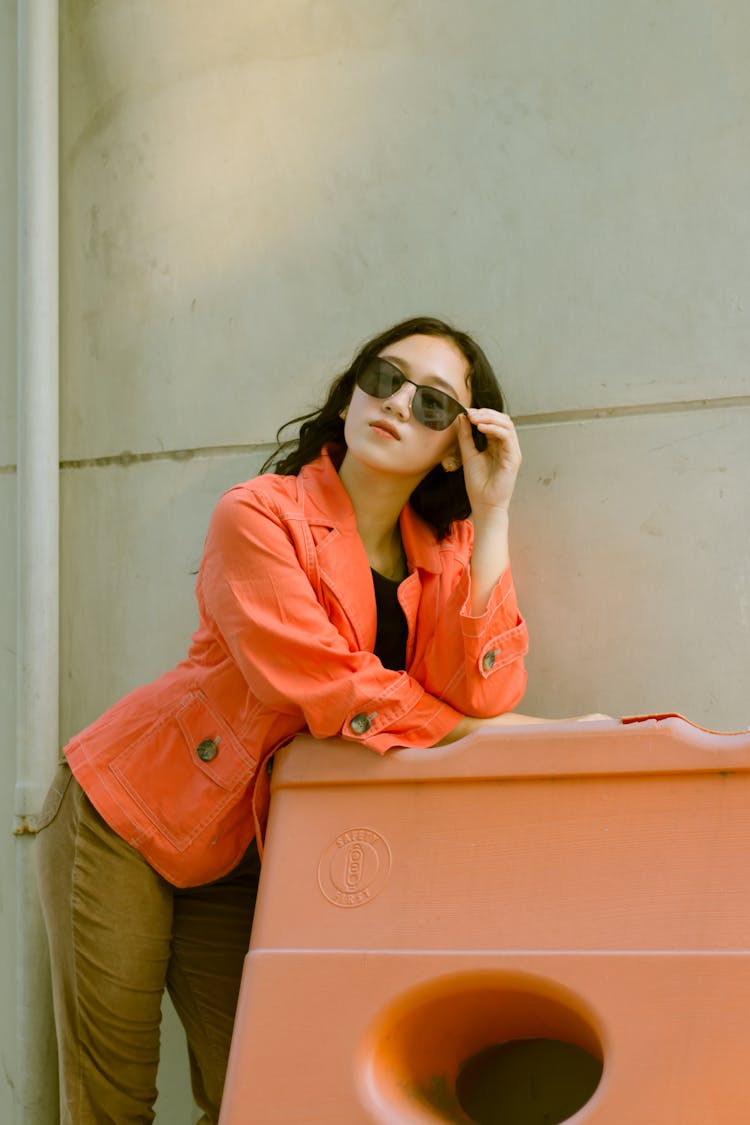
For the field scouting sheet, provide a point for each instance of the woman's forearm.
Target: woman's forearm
(489, 558)
(510, 719)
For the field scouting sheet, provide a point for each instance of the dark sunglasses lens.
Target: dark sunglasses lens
(380, 379)
(434, 409)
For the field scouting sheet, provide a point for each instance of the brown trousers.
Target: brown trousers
(119, 934)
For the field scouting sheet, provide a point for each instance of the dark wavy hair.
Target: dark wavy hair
(440, 498)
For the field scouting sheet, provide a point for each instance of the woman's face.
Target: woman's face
(384, 434)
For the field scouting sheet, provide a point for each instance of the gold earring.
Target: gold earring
(452, 463)
(343, 413)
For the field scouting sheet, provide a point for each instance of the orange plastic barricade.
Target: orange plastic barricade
(538, 924)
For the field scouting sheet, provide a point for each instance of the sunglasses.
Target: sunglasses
(434, 409)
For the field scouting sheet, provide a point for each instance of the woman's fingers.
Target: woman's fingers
(497, 427)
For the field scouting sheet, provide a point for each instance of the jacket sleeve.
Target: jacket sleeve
(259, 597)
(485, 674)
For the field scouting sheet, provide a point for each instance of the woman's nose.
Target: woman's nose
(399, 403)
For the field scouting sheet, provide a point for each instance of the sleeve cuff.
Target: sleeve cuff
(423, 725)
(502, 600)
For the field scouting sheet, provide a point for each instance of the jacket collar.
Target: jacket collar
(327, 502)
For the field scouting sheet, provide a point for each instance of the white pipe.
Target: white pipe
(38, 522)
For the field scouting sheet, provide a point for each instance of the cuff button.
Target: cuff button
(361, 723)
(488, 660)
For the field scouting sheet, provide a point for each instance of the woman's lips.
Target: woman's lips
(385, 428)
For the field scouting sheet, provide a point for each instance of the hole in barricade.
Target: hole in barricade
(481, 1048)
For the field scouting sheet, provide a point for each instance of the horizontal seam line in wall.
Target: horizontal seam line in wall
(561, 417)
(127, 458)
(522, 421)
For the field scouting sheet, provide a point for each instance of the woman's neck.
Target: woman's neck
(378, 502)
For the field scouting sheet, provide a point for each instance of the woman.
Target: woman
(349, 593)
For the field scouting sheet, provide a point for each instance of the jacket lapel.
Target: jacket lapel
(344, 567)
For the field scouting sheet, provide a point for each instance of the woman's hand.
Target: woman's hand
(490, 475)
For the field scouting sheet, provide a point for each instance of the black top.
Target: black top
(390, 640)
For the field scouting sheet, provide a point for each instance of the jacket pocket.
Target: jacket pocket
(185, 770)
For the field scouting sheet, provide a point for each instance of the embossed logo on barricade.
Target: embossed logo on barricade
(354, 867)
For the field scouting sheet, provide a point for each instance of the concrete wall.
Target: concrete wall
(250, 190)
(245, 198)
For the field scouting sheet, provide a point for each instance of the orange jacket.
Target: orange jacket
(284, 641)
